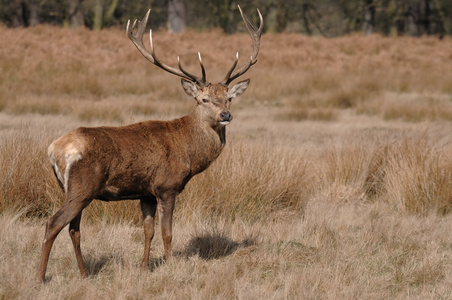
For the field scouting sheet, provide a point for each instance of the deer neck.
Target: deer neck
(206, 141)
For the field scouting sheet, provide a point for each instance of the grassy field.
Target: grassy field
(336, 181)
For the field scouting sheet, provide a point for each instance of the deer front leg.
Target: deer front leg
(166, 208)
(148, 208)
(74, 232)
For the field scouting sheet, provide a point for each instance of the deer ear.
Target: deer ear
(238, 89)
(190, 88)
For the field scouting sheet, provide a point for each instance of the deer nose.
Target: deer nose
(225, 116)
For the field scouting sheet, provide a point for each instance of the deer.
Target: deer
(149, 161)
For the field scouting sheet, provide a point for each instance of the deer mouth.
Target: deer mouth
(225, 118)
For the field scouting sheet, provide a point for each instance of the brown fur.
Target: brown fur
(151, 161)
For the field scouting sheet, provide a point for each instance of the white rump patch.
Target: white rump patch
(71, 155)
(51, 154)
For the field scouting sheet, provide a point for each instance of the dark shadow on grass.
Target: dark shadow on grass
(207, 246)
(213, 246)
(155, 263)
(94, 265)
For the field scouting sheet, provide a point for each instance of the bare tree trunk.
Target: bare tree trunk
(271, 18)
(304, 14)
(33, 18)
(177, 21)
(426, 16)
(25, 13)
(110, 12)
(281, 16)
(75, 12)
(275, 16)
(17, 13)
(411, 27)
(444, 23)
(98, 15)
(369, 17)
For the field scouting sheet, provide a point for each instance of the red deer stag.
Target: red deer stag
(151, 161)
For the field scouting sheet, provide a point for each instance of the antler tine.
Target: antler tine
(232, 68)
(137, 39)
(255, 34)
(202, 68)
(201, 81)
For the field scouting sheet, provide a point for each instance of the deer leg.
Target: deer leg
(69, 211)
(74, 232)
(166, 208)
(148, 208)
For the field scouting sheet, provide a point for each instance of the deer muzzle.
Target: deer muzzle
(225, 118)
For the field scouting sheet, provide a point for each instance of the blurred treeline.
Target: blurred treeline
(311, 17)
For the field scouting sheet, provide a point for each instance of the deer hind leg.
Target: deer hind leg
(66, 214)
(74, 233)
(148, 208)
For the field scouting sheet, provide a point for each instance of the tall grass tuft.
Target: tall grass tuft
(414, 175)
(26, 179)
(251, 180)
(419, 177)
(342, 168)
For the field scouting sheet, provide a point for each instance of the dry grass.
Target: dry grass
(250, 181)
(26, 179)
(335, 182)
(332, 252)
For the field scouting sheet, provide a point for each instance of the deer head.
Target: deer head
(214, 100)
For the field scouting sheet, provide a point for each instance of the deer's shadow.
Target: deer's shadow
(207, 246)
(94, 265)
(214, 246)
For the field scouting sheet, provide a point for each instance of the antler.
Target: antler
(137, 39)
(255, 36)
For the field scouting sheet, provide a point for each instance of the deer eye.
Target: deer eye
(229, 99)
(205, 100)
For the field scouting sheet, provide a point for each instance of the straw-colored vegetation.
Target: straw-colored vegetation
(336, 181)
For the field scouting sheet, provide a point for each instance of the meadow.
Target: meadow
(335, 183)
